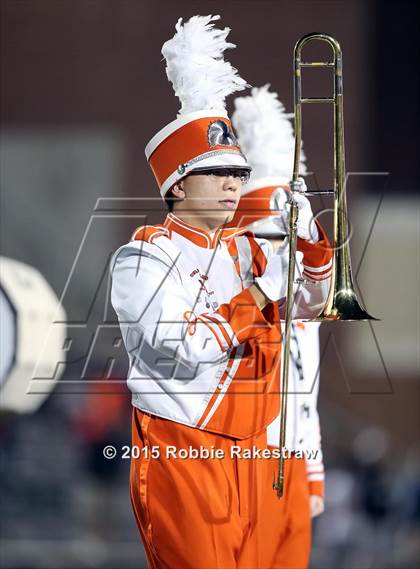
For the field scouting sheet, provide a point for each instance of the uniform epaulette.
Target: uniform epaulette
(149, 233)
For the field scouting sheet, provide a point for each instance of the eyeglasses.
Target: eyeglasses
(243, 175)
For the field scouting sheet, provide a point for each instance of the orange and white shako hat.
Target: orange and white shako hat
(265, 133)
(201, 137)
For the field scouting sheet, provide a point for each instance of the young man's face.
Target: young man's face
(214, 198)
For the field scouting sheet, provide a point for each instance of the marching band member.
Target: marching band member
(266, 136)
(198, 311)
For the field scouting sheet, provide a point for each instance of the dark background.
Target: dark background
(83, 89)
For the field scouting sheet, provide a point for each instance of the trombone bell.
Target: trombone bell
(344, 306)
(342, 302)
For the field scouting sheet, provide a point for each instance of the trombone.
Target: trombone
(342, 302)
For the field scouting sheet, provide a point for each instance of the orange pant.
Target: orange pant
(287, 523)
(215, 513)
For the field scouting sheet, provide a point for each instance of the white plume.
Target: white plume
(265, 134)
(195, 66)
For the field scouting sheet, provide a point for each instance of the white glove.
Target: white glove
(306, 227)
(273, 282)
(316, 505)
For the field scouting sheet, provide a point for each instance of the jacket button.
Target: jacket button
(220, 386)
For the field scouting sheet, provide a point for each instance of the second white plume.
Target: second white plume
(195, 66)
(265, 134)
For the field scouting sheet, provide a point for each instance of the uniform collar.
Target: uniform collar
(199, 236)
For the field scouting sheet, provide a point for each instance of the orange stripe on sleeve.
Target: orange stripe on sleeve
(220, 327)
(317, 276)
(210, 327)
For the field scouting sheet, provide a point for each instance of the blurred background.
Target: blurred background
(83, 89)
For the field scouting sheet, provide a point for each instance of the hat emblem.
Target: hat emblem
(219, 133)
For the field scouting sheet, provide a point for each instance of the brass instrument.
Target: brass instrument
(342, 302)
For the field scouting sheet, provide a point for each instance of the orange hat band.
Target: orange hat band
(192, 144)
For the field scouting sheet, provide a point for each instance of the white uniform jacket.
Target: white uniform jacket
(201, 352)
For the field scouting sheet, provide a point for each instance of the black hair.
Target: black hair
(170, 199)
